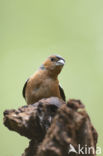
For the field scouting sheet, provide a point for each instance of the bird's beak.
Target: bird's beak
(60, 62)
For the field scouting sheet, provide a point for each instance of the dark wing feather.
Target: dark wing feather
(24, 88)
(62, 93)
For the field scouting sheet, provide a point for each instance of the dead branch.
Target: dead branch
(52, 126)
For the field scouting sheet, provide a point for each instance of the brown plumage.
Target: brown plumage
(44, 83)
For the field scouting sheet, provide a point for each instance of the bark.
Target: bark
(52, 127)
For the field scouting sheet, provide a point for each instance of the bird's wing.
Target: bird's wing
(62, 93)
(24, 88)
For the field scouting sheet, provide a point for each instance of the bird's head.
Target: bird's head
(54, 64)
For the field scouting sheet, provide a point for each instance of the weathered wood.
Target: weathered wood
(52, 126)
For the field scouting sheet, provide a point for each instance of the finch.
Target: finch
(44, 82)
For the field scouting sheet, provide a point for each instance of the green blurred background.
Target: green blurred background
(30, 31)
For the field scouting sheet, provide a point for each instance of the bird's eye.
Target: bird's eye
(52, 59)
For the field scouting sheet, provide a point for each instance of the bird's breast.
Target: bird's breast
(42, 88)
(46, 87)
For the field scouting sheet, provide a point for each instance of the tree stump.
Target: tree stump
(55, 128)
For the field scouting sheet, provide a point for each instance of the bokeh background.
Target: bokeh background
(30, 31)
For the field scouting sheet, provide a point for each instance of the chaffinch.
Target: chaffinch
(44, 83)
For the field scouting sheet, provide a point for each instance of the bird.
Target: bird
(44, 82)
